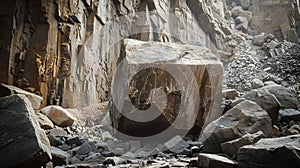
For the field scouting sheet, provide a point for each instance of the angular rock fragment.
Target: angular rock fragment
(286, 98)
(246, 117)
(44, 121)
(59, 115)
(167, 85)
(259, 40)
(231, 148)
(23, 142)
(206, 160)
(271, 152)
(59, 157)
(54, 141)
(58, 132)
(266, 101)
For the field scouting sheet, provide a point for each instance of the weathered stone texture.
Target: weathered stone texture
(158, 83)
(23, 142)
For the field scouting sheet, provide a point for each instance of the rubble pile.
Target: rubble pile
(254, 66)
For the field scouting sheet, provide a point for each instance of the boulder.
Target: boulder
(246, 117)
(59, 157)
(271, 152)
(286, 97)
(288, 115)
(231, 148)
(266, 101)
(206, 160)
(149, 89)
(6, 90)
(59, 115)
(258, 40)
(44, 121)
(23, 142)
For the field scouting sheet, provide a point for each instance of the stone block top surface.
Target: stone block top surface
(139, 52)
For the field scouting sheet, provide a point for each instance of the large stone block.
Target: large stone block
(23, 142)
(159, 87)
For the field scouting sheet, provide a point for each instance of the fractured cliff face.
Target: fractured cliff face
(67, 51)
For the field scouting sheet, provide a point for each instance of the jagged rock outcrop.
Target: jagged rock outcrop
(165, 84)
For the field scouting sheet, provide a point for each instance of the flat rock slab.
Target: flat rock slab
(271, 152)
(159, 86)
(23, 142)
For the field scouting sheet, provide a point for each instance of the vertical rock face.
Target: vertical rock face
(23, 142)
(277, 17)
(66, 51)
(165, 85)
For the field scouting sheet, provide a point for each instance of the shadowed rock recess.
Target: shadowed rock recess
(149, 83)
